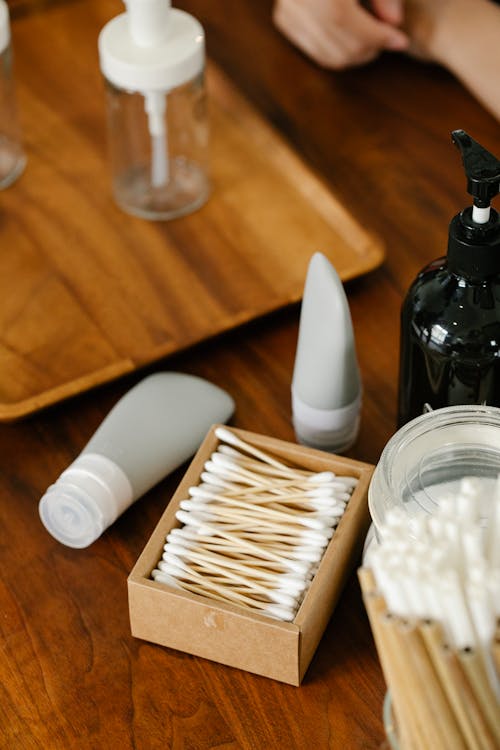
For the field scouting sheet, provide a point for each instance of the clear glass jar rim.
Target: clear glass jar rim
(447, 416)
(410, 442)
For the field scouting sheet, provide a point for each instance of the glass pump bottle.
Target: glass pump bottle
(153, 58)
(450, 320)
(12, 157)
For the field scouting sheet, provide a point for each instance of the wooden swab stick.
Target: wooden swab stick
(304, 476)
(293, 544)
(473, 666)
(219, 514)
(187, 518)
(214, 592)
(495, 650)
(390, 659)
(229, 507)
(226, 436)
(248, 569)
(189, 556)
(438, 720)
(461, 697)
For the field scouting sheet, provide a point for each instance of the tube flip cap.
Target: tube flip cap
(88, 496)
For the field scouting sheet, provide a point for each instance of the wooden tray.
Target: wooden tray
(88, 293)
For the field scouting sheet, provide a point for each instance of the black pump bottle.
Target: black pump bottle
(450, 320)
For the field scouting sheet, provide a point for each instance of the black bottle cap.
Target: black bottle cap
(474, 235)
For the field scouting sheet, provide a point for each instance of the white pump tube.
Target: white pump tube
(155, 105)
(148, 22)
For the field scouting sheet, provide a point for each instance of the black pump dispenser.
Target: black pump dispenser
(450, 320)
(474, 238)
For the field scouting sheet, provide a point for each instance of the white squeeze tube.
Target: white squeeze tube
(152, 430)
(148, 22)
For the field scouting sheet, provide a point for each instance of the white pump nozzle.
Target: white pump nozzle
(480, 215)
(148, 21)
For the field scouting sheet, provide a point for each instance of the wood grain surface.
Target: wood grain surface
(88, 293)
(71, 675)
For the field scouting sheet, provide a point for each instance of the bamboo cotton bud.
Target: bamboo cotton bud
(253, 528)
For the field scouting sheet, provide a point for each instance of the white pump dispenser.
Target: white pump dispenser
(156, 51)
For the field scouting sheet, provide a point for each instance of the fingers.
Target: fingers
(390, 11)
(336, 33)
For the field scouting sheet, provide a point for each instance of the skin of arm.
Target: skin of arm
(341, 33)
(463, 36)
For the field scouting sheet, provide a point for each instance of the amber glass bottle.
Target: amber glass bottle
(450, 320)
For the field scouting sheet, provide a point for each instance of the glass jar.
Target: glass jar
(158, 145)
(428, 457)
(12, 157)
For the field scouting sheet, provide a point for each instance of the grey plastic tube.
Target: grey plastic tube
(151, 431)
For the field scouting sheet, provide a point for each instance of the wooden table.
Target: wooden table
(71, 675)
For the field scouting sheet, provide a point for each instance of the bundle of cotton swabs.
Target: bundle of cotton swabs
(445, 566)
(254, 530)
(432, 592)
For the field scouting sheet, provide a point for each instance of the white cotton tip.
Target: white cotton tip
(211, 488)
(219, 459)
(229, 451)
(332, 515)
(187, 505)
(318, 524)
(162, 577)
(308, 554)
(322, 476)
(226, 436)
(321, 491)
(174, 570)
(293, 582)
(328, 508)
(180, 539)
(280, 613)
(297, 566)
(176, 549)
(196, 521)
(171, 559)
(214, 481)
(198, 508)
(314, 538)
(279, 596)
(184, 533)
(222, 471)
(203, 492)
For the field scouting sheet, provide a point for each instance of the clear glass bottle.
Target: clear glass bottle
(12, 157)
(152, 59)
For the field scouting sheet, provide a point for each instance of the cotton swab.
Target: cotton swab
(226, 436)
(280, 589)
(214, 592)
(262, 514)
(199, 553)
(254, 528)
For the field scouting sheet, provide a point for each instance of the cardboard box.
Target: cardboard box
(233, 635)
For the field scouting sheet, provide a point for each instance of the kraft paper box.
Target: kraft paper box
(231, 634)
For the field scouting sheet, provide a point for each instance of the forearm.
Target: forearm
(463, 36)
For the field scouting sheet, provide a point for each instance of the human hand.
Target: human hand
(423, 20)
(340, 33)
